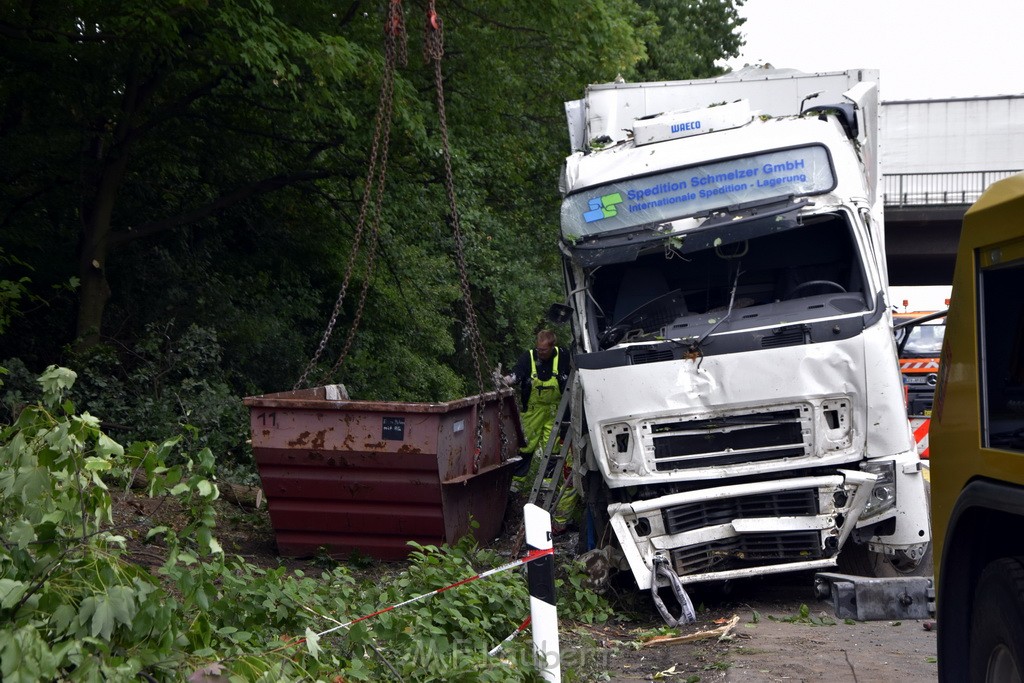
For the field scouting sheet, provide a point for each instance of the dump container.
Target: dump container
(366, 477)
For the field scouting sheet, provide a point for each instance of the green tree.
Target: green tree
(114, 109)
(694, 35)
(203, 162)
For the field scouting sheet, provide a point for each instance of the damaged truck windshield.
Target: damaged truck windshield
(759, 275)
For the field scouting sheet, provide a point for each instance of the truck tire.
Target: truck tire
(856, 559)
(997, 622)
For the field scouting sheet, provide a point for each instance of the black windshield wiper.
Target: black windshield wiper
(695, 346)
(754, 210)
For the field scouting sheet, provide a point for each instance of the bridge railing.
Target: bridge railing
(954, 187)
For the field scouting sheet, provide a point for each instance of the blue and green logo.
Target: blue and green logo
(602, 207)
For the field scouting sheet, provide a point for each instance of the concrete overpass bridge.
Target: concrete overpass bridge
(937, 157)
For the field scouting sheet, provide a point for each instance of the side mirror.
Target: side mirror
(559, 313)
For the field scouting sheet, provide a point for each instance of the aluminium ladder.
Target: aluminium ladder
(550, 482)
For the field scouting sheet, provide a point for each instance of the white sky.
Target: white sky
(920, 298)
(923, 49)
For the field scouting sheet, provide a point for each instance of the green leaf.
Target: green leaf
(33, 484)
(102, 618)
(201, 599)
(22, 533)
(95, 464)
(313, 643)
(122, 603)
(62, 618)
(11, 592)
(107, 447)
(114, 540)
(55, 381)
(25, 657)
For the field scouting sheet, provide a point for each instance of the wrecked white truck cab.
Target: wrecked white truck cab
(737, 391)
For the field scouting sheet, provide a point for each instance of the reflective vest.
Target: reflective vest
(537, 384)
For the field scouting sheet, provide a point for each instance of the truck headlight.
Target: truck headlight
(883, 495)
(618, 445)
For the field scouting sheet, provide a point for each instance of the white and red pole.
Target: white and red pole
(540, 575)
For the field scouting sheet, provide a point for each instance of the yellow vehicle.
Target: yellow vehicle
(977, 448)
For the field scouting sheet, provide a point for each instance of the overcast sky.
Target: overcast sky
(924, 49)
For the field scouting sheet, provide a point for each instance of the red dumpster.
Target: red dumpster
(366, 477)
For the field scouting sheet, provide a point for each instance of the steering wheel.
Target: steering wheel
(814, 283)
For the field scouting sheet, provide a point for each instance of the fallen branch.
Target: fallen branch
(721, 632)
(244, 496)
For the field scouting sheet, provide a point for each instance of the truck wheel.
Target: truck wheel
(997, 622)
(884, 566)
(856, 559)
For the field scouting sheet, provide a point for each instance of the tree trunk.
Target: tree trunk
(93, 252)
(93, 295)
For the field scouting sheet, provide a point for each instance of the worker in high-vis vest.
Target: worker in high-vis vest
(541, 374)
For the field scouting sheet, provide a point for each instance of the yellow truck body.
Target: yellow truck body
(977, 448)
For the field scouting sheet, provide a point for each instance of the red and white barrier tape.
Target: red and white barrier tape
(522, 627)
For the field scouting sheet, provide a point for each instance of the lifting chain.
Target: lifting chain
(433, 48)
(395, 54)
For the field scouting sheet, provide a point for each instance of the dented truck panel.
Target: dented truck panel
(737, 387)
(743, 413)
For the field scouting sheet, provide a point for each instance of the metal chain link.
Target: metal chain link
(395, 53)
(433, 47)
(388, 103)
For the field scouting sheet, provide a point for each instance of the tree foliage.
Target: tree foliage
(85, 596)
(202, 163)
(693, 35)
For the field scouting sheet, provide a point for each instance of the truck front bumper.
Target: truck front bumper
(742, 530)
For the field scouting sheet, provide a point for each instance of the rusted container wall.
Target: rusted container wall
(367, 477)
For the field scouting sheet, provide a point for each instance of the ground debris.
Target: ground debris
(721, 633)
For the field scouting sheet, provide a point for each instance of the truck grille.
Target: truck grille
(799, 503)
(728, 440)
(747, 550)
(792, 337)
(641, 357)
